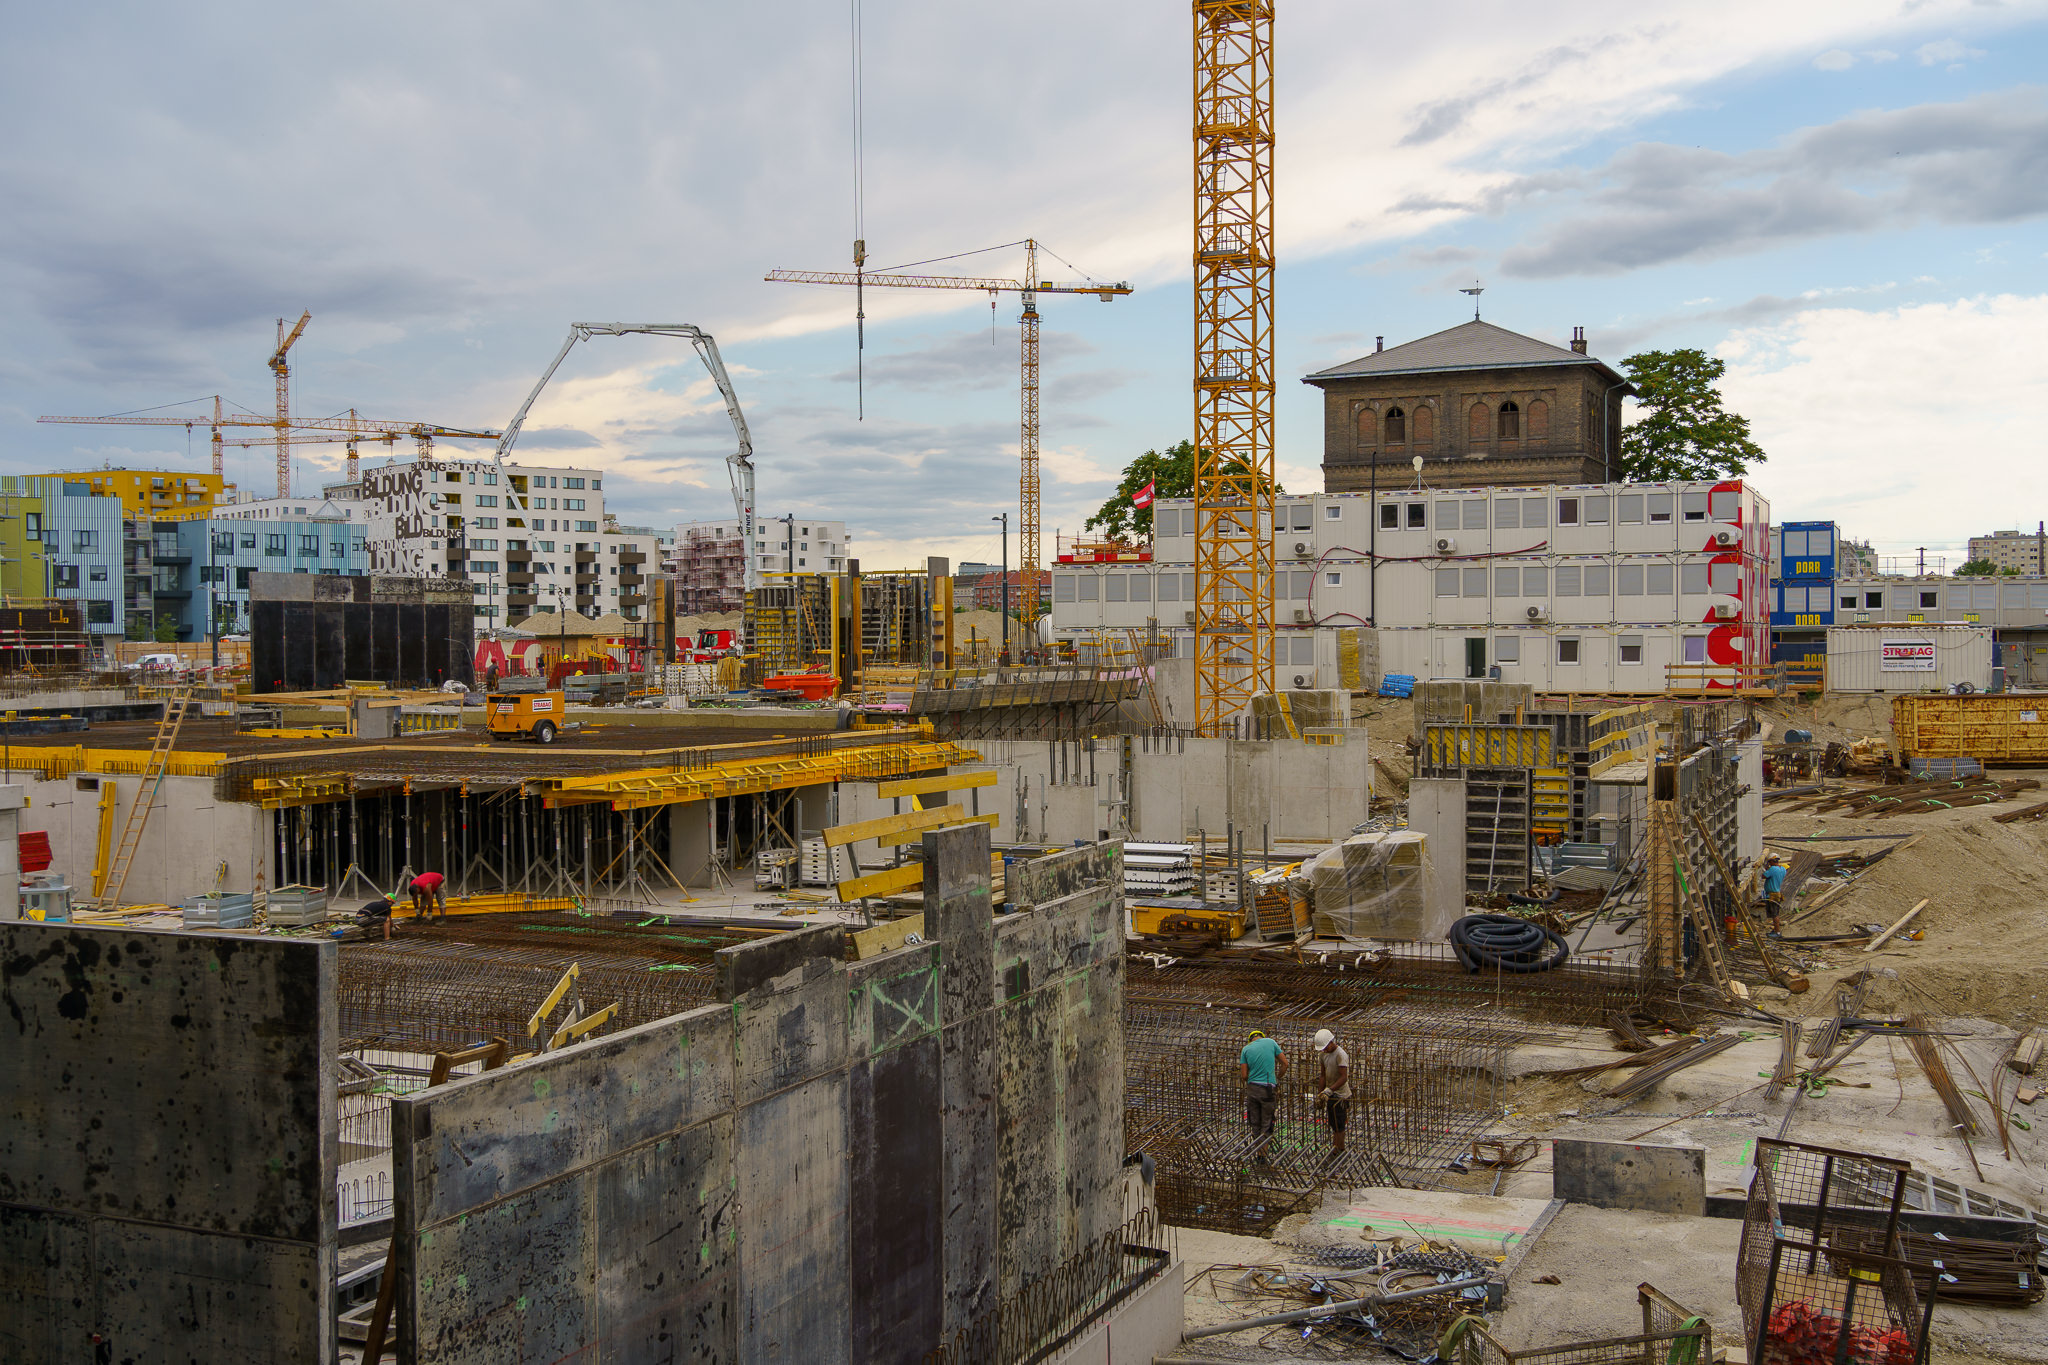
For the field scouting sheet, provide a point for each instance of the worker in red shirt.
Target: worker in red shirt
(427, 895)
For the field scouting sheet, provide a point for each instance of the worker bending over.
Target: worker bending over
(427, 895)
(1335, 1096)
(1261, 1063)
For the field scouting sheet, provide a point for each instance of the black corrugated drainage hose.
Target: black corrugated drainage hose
(1505, 943)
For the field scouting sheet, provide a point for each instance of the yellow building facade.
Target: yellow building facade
(153, 494)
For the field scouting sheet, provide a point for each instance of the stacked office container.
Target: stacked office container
(1803, 556)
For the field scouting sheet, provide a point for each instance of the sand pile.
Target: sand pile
(1985, 952)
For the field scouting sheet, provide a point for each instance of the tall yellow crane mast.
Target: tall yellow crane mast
(1233, 378)
(283, 371)
(1029, 288)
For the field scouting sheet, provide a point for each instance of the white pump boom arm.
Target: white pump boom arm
(740, 463)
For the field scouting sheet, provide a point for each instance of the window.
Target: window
(1534, 510)
(1982, 597)
(1849, 601)
(1365, 427)
(1658, 580)
(1875, 601)
(82, 541)
(1421, 426)
(586, 526)
(1660, 509)
(1303, 585)
(96, 573)
(572, 483)
(545, 546)
(1475, 582)
(1507, 649)
(1694, 505)
(486, 500)
(32, 525)
(1507, 582)
(1390, 516)
(1596, 510)
(1475, 514)
(1692, 578)
(1447, 516)
(1539, 420)
(276, 544)
(309, 545)
(1169, 587)
(1113, 588)
(1333, 579)
(1628, 581)
(1397, 427)
(248, 541)
(1533, 581)
(1091, 587)
(1479, 422)
(1332, 512)
(1509, 421)
(1629, 649)
(1596, 580)
(1567, 580)
(484, 523)
(1301, 516)
(1628, 509)
(490, 479)
(1695, 649)
(64, 575)
(1567, 511)
(1507, 514)
(1418, 515)
(596, 485)
(572, 504)
(1446, 582)
(1568, 649)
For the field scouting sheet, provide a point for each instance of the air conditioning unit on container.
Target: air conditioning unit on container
(1302, 680)
(1301, 613)
(1304, 549)
(1535, 613)
(1445, 545)
(1725, 537)
(1188, 616)
(1726, 612)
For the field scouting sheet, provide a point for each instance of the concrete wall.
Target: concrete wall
(842, 1162)
(1292, 789)
(187, 838)
(167, 1146)
(1436, 807)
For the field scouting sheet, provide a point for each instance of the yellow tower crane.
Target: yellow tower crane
(283, 372)
(1030, 287)
(348, 427)
(1233, 381)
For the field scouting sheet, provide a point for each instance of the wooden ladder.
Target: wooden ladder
(175, 707)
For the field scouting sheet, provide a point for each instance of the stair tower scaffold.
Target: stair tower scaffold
(1233, 380)
(1029, 288)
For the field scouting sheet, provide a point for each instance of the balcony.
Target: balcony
(632, 557)
(632, 599)
(583, 578)
(631, 580)
(585, 553)
(519, 599)
(518, 576)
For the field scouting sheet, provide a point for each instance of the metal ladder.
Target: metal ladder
(175, 707)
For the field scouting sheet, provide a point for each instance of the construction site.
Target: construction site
(1297, 933)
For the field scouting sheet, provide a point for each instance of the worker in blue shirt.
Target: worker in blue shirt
(1774, 888)
(1262, 1064)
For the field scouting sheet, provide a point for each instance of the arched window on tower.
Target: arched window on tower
(1510, 421)
(1366, 435)
(1420, 426)
(1539, 420)
(1479, 425)
(1397, 427)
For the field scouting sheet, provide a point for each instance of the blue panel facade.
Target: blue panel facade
(1805, 551)
(225, 551)
(1803, 605)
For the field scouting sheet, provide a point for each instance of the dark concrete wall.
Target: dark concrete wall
(167, 1146)
(842, 1162)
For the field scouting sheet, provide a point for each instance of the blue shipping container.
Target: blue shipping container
(1803, 605)
(1806, 551)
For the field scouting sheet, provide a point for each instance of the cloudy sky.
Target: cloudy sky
(1843, 198)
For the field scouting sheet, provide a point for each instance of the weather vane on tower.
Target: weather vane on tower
(1475, 291)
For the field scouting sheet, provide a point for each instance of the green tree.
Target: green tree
(1683, 432)
(1976, 568)
(1172, 475)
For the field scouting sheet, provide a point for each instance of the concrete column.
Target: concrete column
(690, 842)
(12, 799)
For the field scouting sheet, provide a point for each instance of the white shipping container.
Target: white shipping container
(1908, 658)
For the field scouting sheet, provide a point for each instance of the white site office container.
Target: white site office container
(1908, 658)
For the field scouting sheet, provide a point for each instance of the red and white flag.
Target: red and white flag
(1143, 497)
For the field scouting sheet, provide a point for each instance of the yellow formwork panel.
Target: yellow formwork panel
(1487, 746)
(1997, 728)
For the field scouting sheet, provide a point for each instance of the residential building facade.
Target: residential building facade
(23, 571)
(2019, 551)
(1479, 406)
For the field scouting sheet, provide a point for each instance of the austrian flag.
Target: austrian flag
(1142, 498)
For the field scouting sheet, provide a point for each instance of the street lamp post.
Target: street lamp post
(1003, 650)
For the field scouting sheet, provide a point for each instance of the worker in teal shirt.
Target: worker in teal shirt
(1262, 1064)
(1774, 888)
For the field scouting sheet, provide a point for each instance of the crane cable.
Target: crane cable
(860, 225)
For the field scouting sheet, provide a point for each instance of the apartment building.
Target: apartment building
(2020, 551)
(1577, 588)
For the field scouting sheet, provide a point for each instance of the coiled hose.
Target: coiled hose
(1505, 943)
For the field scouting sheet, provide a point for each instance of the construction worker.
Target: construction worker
(1774, 888)
(1335, 1096)
(1261, 1063)
(427, 895)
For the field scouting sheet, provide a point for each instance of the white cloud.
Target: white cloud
(1879, 420)
(1947, 50)
(1834, 59)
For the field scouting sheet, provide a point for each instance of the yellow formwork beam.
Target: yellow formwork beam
(740, 776)
(946, 782)
(907, 823)
(916, 836)
(883, 883)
